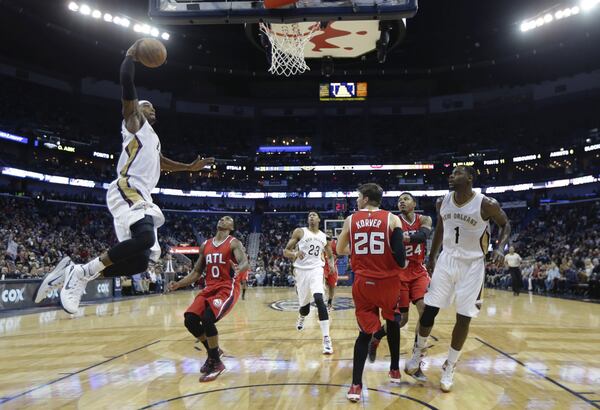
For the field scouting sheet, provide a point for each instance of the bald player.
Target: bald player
(136, 217)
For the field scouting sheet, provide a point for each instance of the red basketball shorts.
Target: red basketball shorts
(416, 281)
(372, 296)
(220, 299)
(331, 277)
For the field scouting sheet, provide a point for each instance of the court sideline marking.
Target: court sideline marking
(158, 403)
(540, 374)
(16, 396)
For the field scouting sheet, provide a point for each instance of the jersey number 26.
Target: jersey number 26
(369, 243)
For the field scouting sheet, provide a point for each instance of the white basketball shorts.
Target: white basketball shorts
(458, 281)
(308, 282)
(125, 215)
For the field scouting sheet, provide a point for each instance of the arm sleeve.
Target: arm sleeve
(420, 236)
(397, 244)
(127, 74)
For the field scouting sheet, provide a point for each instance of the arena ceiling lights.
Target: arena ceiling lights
(556, 14)
(122, 21)
(329, 168)
(53, 179)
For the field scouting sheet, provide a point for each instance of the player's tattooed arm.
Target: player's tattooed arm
(491, 209)
(131, 107)
(169, 165)
(343, 241)
(193, 276)
(422, 234)
(329, 256)
(289, 251)
(239, 251)
(438, 236)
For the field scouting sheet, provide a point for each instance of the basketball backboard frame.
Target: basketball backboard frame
(194, 12)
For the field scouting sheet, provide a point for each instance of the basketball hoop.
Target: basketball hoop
(287, 46)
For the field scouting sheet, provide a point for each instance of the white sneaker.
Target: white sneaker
(75, 283)
(414, 364)
(300, 322)
(447, 377)
(327, 345)
(53, 280)
(409, 366)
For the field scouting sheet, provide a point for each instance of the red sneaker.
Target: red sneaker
(204, 369)
(395, 376)
(373, 345)
(215, 368)
(354, 393)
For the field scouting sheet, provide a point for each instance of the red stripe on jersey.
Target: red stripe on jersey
(370, 251)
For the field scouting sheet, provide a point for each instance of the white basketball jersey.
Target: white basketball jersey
(466, 234)
(139, 164)
(312, 244)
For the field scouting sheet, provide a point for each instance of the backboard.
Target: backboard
(189, 12)
(335, 225)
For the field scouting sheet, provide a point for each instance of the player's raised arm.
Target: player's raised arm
(131, 112)
(491, 209)
(194, 275)
(438, 236)
(289, 251)
(198, 164)
(343, 241)
(240, 256)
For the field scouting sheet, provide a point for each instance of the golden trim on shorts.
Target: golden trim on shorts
(130, 194)
(484, 242)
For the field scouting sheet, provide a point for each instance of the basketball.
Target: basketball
(151, 53)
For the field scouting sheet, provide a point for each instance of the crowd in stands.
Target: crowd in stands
(33, 110)
(36, 234)
(559, 245)
(560, 249)
(272, 269)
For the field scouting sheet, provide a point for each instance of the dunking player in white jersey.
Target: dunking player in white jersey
(463, 225)
(305, 248)
(136, 217)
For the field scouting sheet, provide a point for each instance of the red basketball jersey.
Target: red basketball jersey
(370, 251)
(415, 252)
(219, 261)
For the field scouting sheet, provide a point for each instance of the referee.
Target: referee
(513, 261)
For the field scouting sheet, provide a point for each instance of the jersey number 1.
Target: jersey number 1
(457, 229)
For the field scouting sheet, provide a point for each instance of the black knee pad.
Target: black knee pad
(321, 306)
(304, 310)
(392, 325)
(192, 323)
(208, 322)
(143, 261)
(363, 337)
(429, 315)
(142, 232)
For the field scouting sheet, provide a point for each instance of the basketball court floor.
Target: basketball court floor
(526, 352)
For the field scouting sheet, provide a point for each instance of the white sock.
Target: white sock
(324, 327)
(453, 356)
(421, 342)
(93, 268)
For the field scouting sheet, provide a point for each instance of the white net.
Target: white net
(287, 46)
